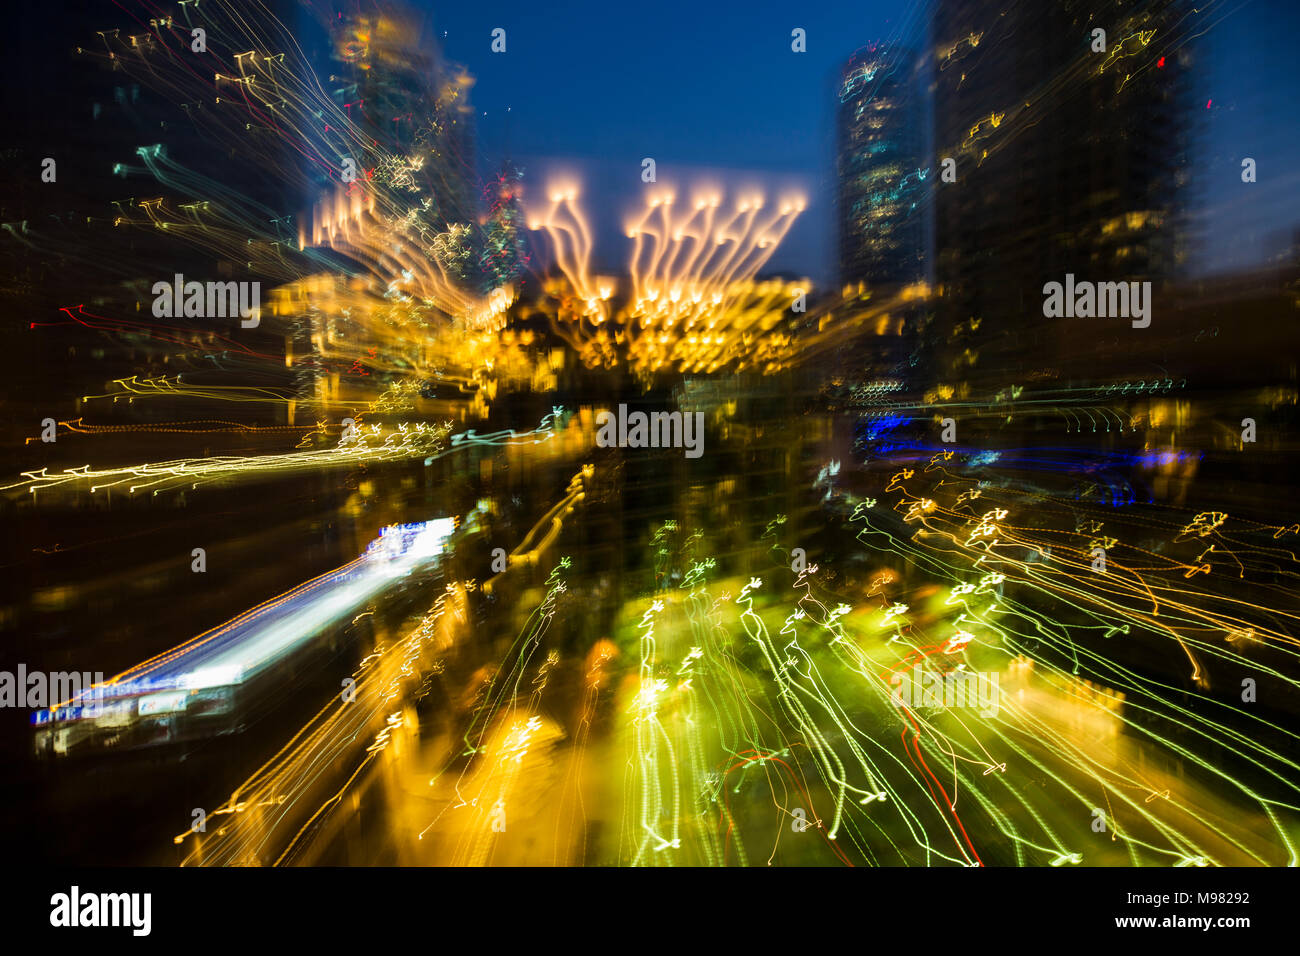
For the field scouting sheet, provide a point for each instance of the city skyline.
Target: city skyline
(788, 133)
(448, 437)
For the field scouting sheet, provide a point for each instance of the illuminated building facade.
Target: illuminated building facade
(504, 253)
(412, 107)
(881, 178)
(1068, 159)
(409, 142)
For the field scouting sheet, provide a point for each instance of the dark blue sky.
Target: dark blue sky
(716, 87)
(1253, 80)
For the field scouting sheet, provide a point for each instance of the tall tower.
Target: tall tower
(881, 176)
(410, 108)
(1068, 159)
(504, 246)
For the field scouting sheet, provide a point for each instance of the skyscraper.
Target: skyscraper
(504, 252)
(881, 176)
(411, 109)
(1068, 157)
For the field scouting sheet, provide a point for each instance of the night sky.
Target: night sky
(716, 87)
